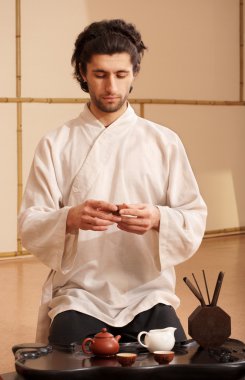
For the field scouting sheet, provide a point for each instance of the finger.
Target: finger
(93, 228)
(135, 230)
(129, 221)
(132, 227)
(105, 206)
(110, 217)
(135, 212)
(134, 220)
(94, 221)
(131, 213)
(135, 223)
(105, 215)
(138, 206)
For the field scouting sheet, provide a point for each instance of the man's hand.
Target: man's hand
(139, 218)
(92, 215)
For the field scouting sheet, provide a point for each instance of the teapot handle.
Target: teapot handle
(85, 350)
(139, 336)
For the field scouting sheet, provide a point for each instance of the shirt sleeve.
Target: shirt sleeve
(183, 217)
(42, 217)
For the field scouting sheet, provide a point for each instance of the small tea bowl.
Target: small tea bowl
(126, 359)
(163, 357)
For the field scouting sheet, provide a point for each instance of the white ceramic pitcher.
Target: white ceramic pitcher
(158, 340)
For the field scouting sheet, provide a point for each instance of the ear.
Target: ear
(137, 70)
(81, 73)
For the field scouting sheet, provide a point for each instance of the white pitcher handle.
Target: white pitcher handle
(139, 336)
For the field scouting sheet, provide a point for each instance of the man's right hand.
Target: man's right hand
(92, 215)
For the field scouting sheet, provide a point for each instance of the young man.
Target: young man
(111, 204)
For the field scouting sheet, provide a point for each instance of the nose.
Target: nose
(111, 84)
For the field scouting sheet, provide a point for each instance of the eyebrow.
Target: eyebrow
(105, 71)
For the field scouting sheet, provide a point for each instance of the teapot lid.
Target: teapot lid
(104, 334)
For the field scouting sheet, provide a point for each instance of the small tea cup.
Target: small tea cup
(163, 357)
(126, 359)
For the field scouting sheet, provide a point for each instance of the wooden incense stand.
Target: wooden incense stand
(209, 325)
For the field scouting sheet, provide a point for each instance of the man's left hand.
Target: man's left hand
(139, 218)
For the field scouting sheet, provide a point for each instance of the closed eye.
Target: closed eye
(119, 74)
(100, 74)
(122, 74)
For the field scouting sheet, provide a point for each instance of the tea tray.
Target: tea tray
(190, 363)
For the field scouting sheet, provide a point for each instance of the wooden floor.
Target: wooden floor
(21, 281)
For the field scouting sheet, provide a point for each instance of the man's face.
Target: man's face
(109, 79)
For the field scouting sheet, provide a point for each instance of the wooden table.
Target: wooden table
(11, 376)
(190, 363)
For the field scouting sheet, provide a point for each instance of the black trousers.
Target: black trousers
(73, 327)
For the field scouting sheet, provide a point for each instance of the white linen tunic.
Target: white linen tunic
(111, 275)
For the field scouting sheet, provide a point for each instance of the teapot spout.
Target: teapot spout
(118, 337)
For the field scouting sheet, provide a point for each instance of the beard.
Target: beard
(103, 106)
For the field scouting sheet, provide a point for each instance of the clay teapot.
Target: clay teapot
(102, 344)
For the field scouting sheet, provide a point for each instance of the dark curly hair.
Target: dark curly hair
(106, 37)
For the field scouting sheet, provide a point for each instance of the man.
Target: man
(111, 204)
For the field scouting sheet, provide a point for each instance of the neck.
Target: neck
(107, 118)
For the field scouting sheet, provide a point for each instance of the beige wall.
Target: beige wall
(193, 54)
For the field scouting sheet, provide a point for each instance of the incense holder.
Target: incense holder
(209, 326)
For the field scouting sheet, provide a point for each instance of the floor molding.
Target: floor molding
(208, 234)
(224, 232)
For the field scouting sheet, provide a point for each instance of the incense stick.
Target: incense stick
(198, 288)
(206, 286)
(217, 289)
(194, 291)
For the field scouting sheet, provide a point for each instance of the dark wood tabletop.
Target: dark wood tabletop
(16, 376)
(189, 363)
(11, 376)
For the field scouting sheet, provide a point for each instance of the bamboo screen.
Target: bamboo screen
(19, 101)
